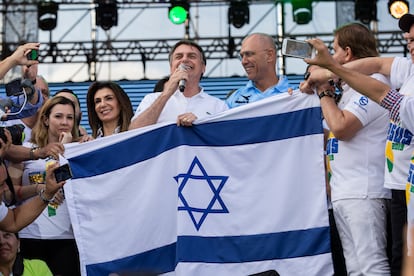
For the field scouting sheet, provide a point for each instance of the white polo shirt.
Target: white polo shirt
(201, 105)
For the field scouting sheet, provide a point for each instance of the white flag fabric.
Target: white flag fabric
(238, 193)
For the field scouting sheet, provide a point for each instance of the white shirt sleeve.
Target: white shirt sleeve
(146, 102)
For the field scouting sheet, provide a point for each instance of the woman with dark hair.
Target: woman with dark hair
(109, 109)
(12, 262)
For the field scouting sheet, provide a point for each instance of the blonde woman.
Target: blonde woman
(50, 237)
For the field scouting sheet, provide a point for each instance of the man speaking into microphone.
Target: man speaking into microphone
(181, 83)
(182, 100)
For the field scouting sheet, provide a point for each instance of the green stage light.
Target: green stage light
(178, 12)
(302, 11)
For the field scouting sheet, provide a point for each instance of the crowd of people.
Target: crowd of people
(368, 136)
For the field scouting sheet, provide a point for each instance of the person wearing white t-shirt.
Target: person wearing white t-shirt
(50, 237)
(400, 144)
(187, 65)
(400, 107)
(355, 146)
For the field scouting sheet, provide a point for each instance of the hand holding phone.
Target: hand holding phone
(33, 55)
(297, 48)
(63, 173)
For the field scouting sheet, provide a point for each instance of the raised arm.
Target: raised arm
(149, 110)
(18, 153)
(18, 58)
(362, 83)
(23, 215)
(371, 65)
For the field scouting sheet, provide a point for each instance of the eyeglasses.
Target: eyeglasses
(249, 54)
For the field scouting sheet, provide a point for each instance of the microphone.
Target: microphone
(181, 83)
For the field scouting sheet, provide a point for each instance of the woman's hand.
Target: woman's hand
(85, 138)
(51, 185)
(65, 137)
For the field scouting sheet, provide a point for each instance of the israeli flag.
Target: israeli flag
(238, 193)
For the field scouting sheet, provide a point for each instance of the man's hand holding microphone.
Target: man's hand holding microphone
(182, 82)
(178, 79)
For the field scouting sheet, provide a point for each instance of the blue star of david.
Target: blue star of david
(215, 183)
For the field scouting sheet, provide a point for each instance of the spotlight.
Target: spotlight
(302, 11)
(47, 15)
(366, 10)
(107, 14)
(178, 11)
(398, 8)
(238, 14)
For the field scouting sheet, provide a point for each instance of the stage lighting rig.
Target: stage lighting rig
(366, 10)
(239, 13)
(302, 11)
(47, 15)
(106, 14)
(398, 8)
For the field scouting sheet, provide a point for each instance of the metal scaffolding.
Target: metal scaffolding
(92, 51)
(158, 49)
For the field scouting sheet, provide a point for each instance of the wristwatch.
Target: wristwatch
(32, 151)
(328, 93)
(43, 198)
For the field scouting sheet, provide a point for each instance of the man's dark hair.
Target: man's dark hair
(189, 43)
(359, 38)
(159, 86)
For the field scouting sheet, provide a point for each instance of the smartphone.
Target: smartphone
(297, 48)
(63, 173)
(33, 55)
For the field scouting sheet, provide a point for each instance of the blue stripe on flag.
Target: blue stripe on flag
(160, 260)
(224, 133)
(233, 249)
(260, 247)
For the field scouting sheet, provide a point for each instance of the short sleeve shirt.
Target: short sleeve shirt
(201, 105)
(249, 93)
